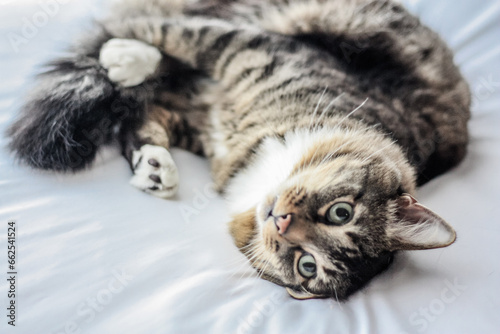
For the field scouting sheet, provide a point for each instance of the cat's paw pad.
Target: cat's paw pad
(129, 62)
(155, 171)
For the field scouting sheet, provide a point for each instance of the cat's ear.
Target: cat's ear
(242, 228)
(417, 227)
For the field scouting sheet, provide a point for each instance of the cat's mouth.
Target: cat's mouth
(269, 214)
(281, 220)
(265, 211)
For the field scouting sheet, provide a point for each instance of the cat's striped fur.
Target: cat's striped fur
(299, 106)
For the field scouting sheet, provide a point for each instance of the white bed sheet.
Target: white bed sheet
(97, 256)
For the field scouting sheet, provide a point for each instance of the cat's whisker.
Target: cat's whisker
(236, 267)
(331, 154)
(241, 271)
(266, 265)
(257, 253)
(244, 268)
(352, 112)
(243, 264)
(251, 269)
(337, 125)
(377, 151)
(317, 107)
(253, 253)
(236, 261)
(248, 251)
(337, 297)
(313, 157)
(326, 109)
(260, 257)
(250, 245)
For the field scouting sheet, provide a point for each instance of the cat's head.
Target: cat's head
(336, 220)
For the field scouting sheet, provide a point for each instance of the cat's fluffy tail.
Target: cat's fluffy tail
(72, 111)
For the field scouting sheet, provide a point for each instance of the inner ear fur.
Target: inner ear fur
(242, 228)
(417, 227)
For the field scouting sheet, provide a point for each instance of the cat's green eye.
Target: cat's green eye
(340, 213)
(307, 265)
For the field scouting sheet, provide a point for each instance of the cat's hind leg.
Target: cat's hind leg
(130, 62)
(146, 148)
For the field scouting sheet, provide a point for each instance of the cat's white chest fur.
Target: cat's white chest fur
(270, 167)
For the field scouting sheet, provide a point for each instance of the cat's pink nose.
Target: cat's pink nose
(282, 223)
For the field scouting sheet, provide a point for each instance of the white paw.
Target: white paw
(128, 61)
(155, 171)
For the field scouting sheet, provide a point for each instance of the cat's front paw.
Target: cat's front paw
(129, 62)
(155, 171)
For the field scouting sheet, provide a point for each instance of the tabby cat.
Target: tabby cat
(319, 119)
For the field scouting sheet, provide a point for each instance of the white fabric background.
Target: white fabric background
(97, 256)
